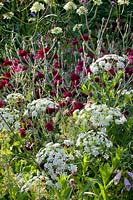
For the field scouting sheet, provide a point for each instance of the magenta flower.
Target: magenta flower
(127, 184)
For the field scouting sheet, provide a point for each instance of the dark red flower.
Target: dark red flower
(87, 70)
(74, 42)
(2, 103)
(61, 104)
(129, 70)
(130, 57)
(15, 62)
(55, 56)
(50, 110)
(74, 77)
(80, 50)
(7, 75)
(85, 37)
(22, 132)
(57, 80)
(49, 126)
(26, 124)
(75, 83)
(24, 68)
(7, 62)
(54, 72)
(40, 75)
(90, 56)
(3, 83)
(57, 77)
(52, 93)
(57, 64)
(41, 54)
(67, 94)
(112, 71)
(78, 105)
(23, 53)
(79, 67)
(97, 79)
(45, 50)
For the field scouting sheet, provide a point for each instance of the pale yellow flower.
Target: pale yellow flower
(97, 2)
(36, 7)
(122, 2)
(1, 5)
(70, 6)
(82, 10)
(56, 30)
(8, 15)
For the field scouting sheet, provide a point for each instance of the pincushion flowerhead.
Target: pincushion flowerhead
(36, 7)
(123, 2)
(56, 30)
(70, 6)
(82, 10)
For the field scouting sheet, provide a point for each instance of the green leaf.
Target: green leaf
(105, 172)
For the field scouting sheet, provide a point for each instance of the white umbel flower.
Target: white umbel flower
(106, 62)
(70, 6)
(36, 7)
(82, 10)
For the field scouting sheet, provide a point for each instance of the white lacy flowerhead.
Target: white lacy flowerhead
(14, 97)
(96, 116)
(94, 144)
(38, 107)
(106, 62)
(56, 161)
(9, 119)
